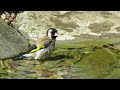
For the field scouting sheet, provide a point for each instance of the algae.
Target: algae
(86, 60)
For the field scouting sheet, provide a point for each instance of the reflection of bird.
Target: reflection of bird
(43, 47)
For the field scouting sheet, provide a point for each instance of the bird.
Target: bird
(43, 47)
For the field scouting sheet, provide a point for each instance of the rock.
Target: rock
(11, 42)
(96, 65)
(116, 72)
(114, 75)
(69, 23)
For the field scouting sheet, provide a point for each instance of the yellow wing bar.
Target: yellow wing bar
(38, 48)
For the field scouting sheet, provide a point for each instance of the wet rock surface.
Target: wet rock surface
(33, 24)
(70, 63)
(11, 42)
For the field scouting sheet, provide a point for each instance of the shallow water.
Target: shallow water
(68, 63)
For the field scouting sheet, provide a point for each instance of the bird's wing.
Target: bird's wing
(38, 48)
(43, 43)
(46, 43)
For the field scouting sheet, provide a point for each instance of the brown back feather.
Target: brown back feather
(43, 41)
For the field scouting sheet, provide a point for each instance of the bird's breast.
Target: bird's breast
(46, 52)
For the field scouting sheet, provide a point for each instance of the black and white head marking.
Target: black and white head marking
(52, 33)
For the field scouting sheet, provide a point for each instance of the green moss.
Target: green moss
(79, 44)
(79, 60)
(98, 64)
(114, 75)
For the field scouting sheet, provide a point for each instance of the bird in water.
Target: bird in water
(43, 47)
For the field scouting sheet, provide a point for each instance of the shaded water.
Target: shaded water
(69, 63)
(57, 66)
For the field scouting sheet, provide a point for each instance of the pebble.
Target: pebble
(8, 18)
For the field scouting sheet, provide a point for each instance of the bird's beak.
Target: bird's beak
(56, 35)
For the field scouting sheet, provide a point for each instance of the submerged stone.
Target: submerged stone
(96, 65)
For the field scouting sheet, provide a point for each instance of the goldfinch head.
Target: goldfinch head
(52, 33)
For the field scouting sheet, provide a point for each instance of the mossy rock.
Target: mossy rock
(101, 27)
(96, 65)
(118, 29)
(64, 26)
(116, 73)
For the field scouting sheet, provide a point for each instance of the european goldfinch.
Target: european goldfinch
(43, 47)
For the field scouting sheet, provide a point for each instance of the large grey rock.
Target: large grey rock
(11, 42)
(71, 25)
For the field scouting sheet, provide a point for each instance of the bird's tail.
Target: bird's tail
(21, 55)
